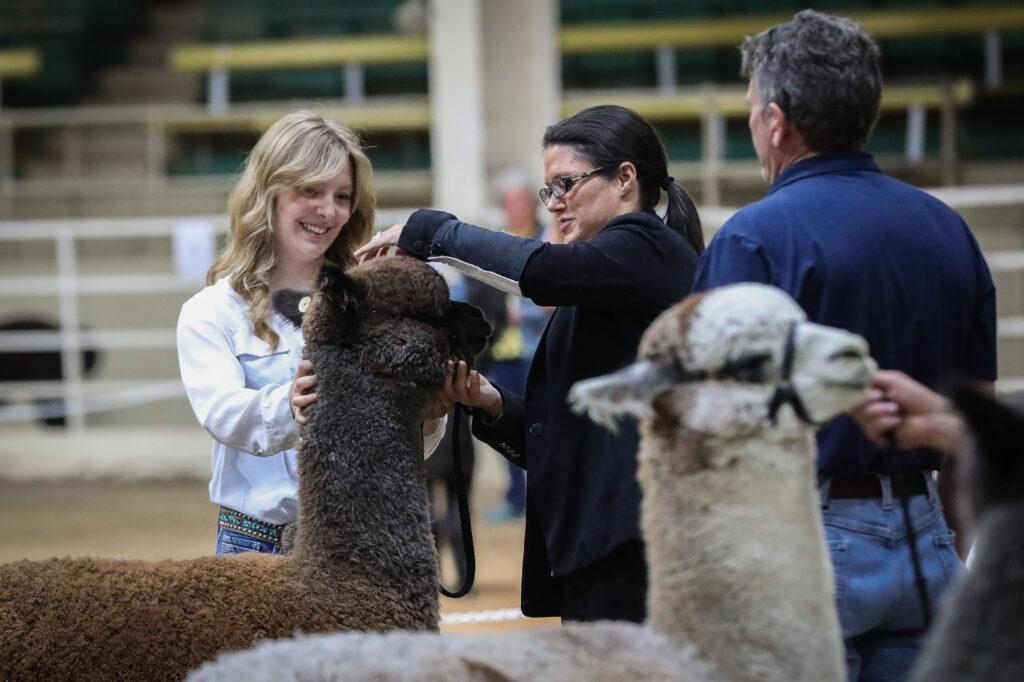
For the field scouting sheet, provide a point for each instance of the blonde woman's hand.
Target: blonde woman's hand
(381, 244)
(299, 392)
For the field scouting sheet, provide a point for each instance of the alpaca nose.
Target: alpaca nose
(835, 347)
(853, 349)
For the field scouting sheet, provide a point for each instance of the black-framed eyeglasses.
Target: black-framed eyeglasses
(563, 184)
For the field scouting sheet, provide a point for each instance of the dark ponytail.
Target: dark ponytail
(608, 135)
(682, 215)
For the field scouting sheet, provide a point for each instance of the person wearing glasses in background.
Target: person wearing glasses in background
(620, 266)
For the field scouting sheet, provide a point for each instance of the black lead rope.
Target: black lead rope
(463, 499)
(897, 476)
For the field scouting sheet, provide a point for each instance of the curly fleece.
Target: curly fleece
(379, 337)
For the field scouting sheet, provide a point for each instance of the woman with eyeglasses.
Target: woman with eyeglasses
(620, 266)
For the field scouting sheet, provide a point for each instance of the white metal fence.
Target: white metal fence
(75, 397)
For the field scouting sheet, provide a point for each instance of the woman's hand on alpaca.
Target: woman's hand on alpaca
(913, 413)
(472, 389)
(298, 393)
(380, 244)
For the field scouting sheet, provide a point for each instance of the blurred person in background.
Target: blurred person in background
(518, 332)
(620, 266)
(860, 251)
(305, 198)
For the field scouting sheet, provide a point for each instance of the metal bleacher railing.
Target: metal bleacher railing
(663, 37)
(81, 397)
(709, 106)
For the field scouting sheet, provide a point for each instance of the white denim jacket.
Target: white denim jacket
(238, 388)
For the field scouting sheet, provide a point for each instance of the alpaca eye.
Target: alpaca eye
(748, 368)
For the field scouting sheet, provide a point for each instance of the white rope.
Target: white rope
(493, 616)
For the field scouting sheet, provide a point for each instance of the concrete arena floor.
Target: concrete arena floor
(175, 520)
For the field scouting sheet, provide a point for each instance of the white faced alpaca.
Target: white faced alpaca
(728, 387)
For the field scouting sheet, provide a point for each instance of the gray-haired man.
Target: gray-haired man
(860, 251)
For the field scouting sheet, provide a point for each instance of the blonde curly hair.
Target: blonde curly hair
(300, 149)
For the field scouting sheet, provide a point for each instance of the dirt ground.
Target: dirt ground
(175, 520)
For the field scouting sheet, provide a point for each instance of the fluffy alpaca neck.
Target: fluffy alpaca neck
(362, 498)
(999, 546)
(737, 557)
(977, 634)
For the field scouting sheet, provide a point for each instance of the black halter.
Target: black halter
(746, 369)
(785, 392)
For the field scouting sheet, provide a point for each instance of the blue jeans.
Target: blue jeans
(230, 542)
(876, 592)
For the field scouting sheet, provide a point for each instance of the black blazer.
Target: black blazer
(583, 499)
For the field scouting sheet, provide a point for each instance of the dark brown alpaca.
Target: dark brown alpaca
(379, 337)
(978, 634)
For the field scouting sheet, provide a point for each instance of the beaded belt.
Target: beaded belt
(238, 522)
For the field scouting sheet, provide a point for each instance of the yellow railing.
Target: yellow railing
(413, 113)
(290, 54)
(586, 38)
(19, 63)
(729, 101)
(406, 115)
(729, 32)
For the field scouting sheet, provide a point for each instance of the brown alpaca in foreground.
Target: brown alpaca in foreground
(379, 338)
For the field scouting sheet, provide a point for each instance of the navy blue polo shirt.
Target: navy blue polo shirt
(861, 251)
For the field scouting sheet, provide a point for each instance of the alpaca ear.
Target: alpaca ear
(342, 292)
(996, 467)
(469, 330)
(631, 391)
(289, 302)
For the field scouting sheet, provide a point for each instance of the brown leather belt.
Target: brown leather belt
(868, 487)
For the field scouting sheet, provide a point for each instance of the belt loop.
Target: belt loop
(824, 486)
(933, 487)
(886, 483)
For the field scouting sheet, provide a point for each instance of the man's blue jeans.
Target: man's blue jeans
(876, 592)
(230, 542)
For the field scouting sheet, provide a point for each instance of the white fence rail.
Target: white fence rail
(75, 398)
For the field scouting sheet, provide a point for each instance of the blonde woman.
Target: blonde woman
(305, 197)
